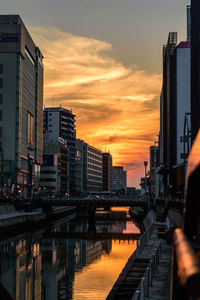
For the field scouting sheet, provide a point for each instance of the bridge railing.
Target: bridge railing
(188, 268)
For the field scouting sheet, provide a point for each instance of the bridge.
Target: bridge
(92, 236)
(95, 202)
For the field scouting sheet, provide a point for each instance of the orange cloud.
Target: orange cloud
(117, 107)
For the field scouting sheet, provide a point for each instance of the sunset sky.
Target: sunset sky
(103, 60)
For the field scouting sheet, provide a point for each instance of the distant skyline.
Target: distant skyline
(103, 60)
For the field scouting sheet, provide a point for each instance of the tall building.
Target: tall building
(195, 68)
(89, 168)
(119, 179)
(175, 128)
(21, 104)
(59, 128)
(107, 172)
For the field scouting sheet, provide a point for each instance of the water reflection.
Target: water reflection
(39, 268)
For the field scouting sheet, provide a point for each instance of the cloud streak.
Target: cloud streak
(117, 107)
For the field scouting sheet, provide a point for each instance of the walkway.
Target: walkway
(160, 288)
(129, 280)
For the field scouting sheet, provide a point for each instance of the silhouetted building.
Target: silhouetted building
(21, 104)
(195, 68)
(59, 128)
(131, 191)
(119, 180)
(107, 172)
(174, 139)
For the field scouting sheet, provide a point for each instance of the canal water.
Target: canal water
(42, 266)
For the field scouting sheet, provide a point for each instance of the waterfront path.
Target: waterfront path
(130, 278)
(160, 288)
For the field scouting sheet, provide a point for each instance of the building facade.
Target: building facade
(89, 168)
(21, 104)
(59, 128)
(107, 172)
(53, 175)
(195, 72)
(175, 115)
(119, 180)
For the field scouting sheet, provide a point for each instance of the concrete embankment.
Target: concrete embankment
(12, 220)
(147, 272)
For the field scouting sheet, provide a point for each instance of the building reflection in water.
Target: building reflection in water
(42, 268)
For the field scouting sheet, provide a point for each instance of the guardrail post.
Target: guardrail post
(136, 296)
(142, 294)
(159, 250)
(154, 264)
(147, 281)
(151, 272)
(138, 248)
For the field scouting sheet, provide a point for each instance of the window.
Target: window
(0, 131)
(1, 113)
(1, 83)
(1, 68)
(1, 99)
(30, 129)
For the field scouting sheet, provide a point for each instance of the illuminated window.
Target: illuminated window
(30, 129)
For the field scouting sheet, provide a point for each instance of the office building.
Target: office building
(21, 104)
(59, 128)
(119, 180)
(89, 168)
(107, 172)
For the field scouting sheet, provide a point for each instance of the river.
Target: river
(35, 266)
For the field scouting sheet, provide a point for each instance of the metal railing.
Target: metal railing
(147, 279)
(188, 266)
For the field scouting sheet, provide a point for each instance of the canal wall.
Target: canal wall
(12, 221)
(147, 272)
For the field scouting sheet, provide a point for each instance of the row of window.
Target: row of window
(48, 172)
(95, 178)
(99, 157)
(94, 151)
(94, 183)
(95, 173)
(94, 167)
(94, 162)
(47, 179)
